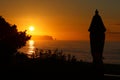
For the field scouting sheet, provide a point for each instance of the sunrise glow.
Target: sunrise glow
(31, 28)
(67, 22)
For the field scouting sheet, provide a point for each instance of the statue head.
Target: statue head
(96, 12)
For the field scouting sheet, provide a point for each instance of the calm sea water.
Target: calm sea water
(80, 49)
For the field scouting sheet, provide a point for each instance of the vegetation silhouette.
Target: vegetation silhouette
(54, 61)
(10, 40)
(97, 39)
(45, 56)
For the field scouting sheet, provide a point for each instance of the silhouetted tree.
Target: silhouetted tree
(10, 38)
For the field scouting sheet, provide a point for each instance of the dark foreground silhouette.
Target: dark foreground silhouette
(10, 40)
(14, 63)
(58, 64)
(97, 39)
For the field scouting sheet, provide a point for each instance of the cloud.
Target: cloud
(114, 32)
(116, 24)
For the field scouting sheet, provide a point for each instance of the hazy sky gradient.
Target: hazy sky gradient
(63, 19)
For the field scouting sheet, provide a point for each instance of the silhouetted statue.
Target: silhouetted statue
(97, 39)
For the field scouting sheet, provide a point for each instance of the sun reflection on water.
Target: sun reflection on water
(31, 48)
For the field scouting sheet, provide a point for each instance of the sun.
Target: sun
(31, 28)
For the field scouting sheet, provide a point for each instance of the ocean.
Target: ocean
(79, 49)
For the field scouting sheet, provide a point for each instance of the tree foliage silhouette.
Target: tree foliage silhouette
(10, 39)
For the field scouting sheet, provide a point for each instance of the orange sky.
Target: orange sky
(62, 19)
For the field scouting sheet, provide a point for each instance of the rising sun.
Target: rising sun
(31, 28)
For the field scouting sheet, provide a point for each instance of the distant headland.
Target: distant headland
(43, 37)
